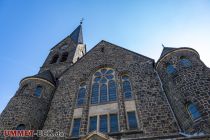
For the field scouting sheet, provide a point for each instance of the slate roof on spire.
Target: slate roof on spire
(77, 36)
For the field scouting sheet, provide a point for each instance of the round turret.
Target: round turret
(29, 106)
(186, 81)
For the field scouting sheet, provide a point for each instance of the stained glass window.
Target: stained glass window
(103, 91)
(113, 123)
(95, 93)
(104, 86)
(38, 91)
(76, 127)
(185, 62)
(93, 123)
(193, 110)
(103, 123)
(112, 90)
(81, 95)
(132, 122)
(126, 87)
(170, 69)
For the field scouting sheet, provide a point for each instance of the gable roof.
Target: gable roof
(106, 42)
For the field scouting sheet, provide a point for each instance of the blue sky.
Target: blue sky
(29, 28)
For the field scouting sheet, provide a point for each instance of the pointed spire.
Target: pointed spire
(76, 35)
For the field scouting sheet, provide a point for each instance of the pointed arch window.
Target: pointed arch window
(54, 59)
(103, 86)
(64, 57)
(193, 111)
(127, 92)
(185, 61)
(38, 91)
(81, 95)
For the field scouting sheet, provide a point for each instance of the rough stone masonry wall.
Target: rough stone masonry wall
(25, 108)
(155, 117)
(189, 84)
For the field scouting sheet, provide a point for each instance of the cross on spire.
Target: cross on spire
(81, 21)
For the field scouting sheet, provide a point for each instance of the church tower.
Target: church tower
(29, 107)
(186, 81)
(65, 53)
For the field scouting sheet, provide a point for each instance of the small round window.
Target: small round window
(64, 47)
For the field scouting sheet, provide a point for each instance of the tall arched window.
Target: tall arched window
(170, 69)
(54, 59)
(127, 92)
(185, 61)
(38, 91)
(64, 57)
(81, 95)
(193, 111)
(103, 86)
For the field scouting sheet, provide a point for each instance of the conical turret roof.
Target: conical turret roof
(167, 50)
(46, 75)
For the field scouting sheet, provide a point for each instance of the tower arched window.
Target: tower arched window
(170, 69)
(54, 59)
(38, 91)
(81, 95)
(193, 111)
(185, 61)
(127, 91)
(21, 127)
(103, 86)
(64, 57)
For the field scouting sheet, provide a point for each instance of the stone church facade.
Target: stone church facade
(113, 93)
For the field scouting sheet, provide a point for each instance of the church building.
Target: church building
(112, 93)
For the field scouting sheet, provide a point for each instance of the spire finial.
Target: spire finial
(163, 46)
(81, 21)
